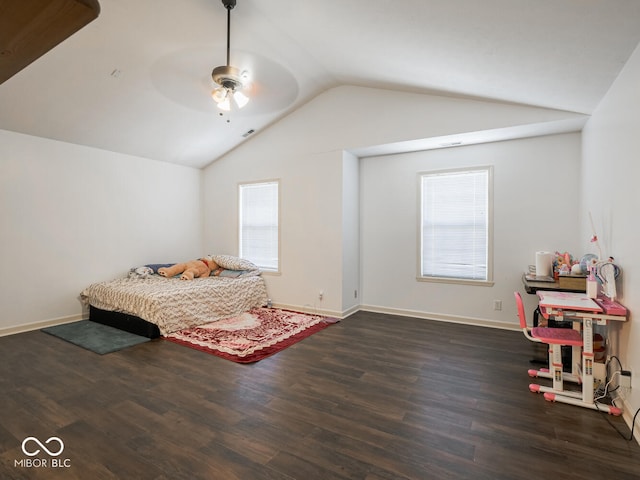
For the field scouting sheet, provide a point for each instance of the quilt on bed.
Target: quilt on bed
(175, 304)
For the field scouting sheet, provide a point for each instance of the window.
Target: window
(456, 225)
(258, 220)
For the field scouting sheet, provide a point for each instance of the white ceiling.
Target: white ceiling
(137, 80)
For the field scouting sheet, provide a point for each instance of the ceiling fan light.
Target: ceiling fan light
(241, 99)
(219, 94)
(225, 104)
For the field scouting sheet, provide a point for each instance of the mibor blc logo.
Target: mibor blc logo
(42, 455)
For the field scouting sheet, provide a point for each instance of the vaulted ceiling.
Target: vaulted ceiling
(137, 80)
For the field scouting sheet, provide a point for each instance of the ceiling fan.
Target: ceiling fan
(230, 80)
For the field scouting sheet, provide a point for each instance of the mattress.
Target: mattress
(173, 304)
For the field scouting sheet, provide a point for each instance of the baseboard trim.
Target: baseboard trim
(310, 309)
(27, 327)
(627, 414)
(480, 322)
(351, 311)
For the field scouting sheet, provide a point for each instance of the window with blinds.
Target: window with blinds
(456, 225)
(258, 221)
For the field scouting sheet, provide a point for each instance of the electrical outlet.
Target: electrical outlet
(320, 294)
(625, 378)
(497, 304)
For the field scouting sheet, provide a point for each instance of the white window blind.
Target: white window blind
(259, 224)
(455, 221)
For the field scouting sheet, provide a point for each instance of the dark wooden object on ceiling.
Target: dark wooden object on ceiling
(30, 28)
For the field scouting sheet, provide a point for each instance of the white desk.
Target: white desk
(578, 307)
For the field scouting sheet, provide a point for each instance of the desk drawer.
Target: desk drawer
(573, 282)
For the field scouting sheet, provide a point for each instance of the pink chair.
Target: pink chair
(555, 338)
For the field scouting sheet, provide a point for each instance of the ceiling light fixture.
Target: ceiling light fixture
(229, 79)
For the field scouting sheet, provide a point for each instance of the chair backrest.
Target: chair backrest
(521, 314)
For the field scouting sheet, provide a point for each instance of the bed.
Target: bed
(154, 305)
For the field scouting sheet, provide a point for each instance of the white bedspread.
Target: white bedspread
(173, 304)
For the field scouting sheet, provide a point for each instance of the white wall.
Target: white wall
(73, 215)
(536, 190)
(611, 173)
(305, 151)
(350, 233)
(310, 221)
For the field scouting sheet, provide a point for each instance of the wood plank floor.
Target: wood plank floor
(373, 397)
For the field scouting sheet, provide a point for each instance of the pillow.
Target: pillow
(156, 266)
(231, 273)
(229, 262)
(140, 272)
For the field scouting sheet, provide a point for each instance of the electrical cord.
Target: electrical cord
(607, 370)
(633, 424)
(606, 388)
(603, 395)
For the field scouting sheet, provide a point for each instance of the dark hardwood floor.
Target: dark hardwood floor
(373, 397)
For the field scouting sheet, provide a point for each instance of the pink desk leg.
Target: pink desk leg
(587, 377)
(555, 357)
(587, 361)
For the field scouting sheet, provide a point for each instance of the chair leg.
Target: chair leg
(545, 373)
(576, 374)
(555, 374)
(535, 388)
(555, 363)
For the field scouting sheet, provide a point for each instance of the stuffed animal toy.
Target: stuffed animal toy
(140, 272)
(190, 270)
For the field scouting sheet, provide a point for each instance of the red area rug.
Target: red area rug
(253, 335)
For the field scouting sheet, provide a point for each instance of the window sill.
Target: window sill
(456, 281)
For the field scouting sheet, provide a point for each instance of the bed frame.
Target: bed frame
(124, 321)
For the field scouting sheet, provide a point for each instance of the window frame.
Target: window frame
(490, 226)
(241, 185)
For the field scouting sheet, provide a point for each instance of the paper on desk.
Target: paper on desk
(568, 301)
